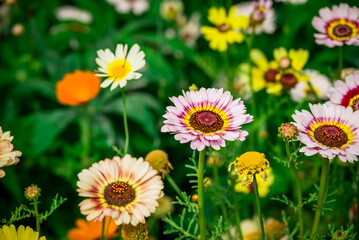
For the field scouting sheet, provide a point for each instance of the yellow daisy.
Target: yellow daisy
(226, 30)
(295, 59)
(22, 233)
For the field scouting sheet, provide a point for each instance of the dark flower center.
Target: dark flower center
(119, 194)
(206, 121)
(270, 75)
(288, 80)
(224, 27)
(330, 136)
(342, 30)
(355, 104)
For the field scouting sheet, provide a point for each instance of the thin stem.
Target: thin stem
(340, 62)
(322, 195)
(107, 228)
(202, 223)
(103, 229)
(236, 209)
(125, 121)
(174, 185)
(85, 132)
(251, 83)
(258, 207)
(119, 232)
(37, 216)
(299, 191)
(230, 85)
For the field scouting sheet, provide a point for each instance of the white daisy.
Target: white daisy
(121, 66)
(71, 13)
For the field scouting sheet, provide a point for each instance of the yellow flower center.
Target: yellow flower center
(342, 29)
(354, 103)
(119, 69)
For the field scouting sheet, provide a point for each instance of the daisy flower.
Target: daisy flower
(206, 117)
(320, 84)
(121, 66)
(72, 13)
(125, 6)
(346, 93)
(292, 1)
(261, 15)
(22, 233)
(226, 30)
(330, 130)
(337, 26)
(7, 155)
(126, 189)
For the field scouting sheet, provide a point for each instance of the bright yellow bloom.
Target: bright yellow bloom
(22, 233)
(226, 30)
(295, 59)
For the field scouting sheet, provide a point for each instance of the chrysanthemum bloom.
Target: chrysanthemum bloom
(263, 187)
(92, 230)
(330, 130)
(32, 192)
(72, 13)
(249, 164)
(138, 7)
(226, 30)
(320, 85)
(22, 233)
(170, 10)
(261, 14)
(206, 117)
(121, 66)
(158, 159)
(126, 189)
(337, 26)
(138, 232)
(346, 93)
(77, 88)
(7, 155)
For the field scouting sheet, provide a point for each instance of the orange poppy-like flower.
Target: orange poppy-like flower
(90, 230)
(77, 88)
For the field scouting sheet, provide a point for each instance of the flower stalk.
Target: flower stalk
(174, 185)
(340, 62)
(202, 223)
(259, 210)
(37, 217)
(236, 210)
(85, 132)
(125, 121)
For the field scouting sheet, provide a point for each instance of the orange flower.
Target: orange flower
(91, 230)
(77, 88)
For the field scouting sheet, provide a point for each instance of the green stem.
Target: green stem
(340, 62)
(258, 207)
(108, 228)
(103, 229)
(125, 121)
(230, 85)
(202, 223)
(85, 131)
(174, 185)
(299, 190)
(251, 83)
(222, 206)
(322, 195)
(236, 209)
(119, 232)
(37, 217)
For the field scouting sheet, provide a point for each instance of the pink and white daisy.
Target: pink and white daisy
(7, 154)
(262, 15)
(121, 66)
(206, 117)
(346, 93)
(330, 130)
(337, 26)
(126, 189)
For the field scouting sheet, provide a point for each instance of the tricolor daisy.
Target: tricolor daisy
(126, 189)
(337, 26)
(206, 117)
(330, 130)
(346, 93)
(121, 66)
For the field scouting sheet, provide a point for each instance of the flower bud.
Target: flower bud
(33, 192)
(288, 131)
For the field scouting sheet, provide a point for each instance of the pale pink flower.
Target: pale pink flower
(7, 155)
(207, 117)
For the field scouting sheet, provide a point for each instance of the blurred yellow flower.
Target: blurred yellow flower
(226, 30)
(22, 233)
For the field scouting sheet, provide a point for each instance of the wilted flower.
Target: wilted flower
(77, 88)
(138, 232)
(346, 93)
(226, 30)
(127, 189)
(121, 66)
(158, 159)
(330, 130)
(261, 14)
(125, 6)
(206, 117)
(91, 230)
(32, 192)
(171, 9)
(22, 233)
(249, 164)
(288, 131)
(337, 26)
(72, 13)
(320, 85)
(7, 155)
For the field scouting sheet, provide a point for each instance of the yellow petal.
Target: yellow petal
(274, 88)
(280, 53)
(258, 57)
(239, 22)
(299, 58)
(217, 16)
(258, 81)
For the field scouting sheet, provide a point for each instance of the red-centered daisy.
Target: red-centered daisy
(126, 189)
(330, 130)
(206, 117)
(346, 93)
(337, 26)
